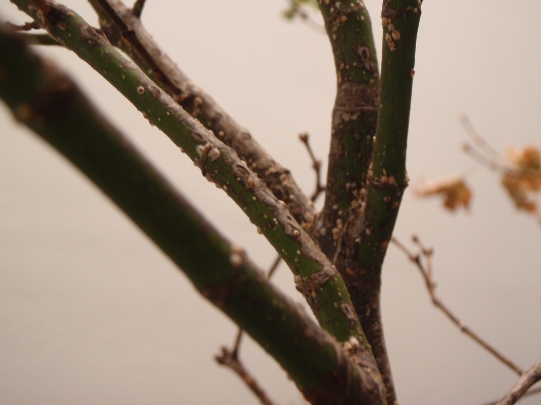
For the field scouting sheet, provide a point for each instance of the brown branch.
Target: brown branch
(316, 165)
(21, 31)
(146, 53)
(137, 8)
(128, 34)
(527, 394)
(274, 266)
(428, 277)
(526, 380)
(25, 27)
(37, 39)
(231, 359)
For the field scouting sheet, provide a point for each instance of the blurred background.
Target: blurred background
(92, 313)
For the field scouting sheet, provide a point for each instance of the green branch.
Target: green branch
(354, 115)
(125, 31)
(364, 243)
(355, 118)
(50, 103)
(315, 277)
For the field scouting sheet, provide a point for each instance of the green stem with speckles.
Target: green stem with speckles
(49, 103)
(369, 227)
(354, 115)
(126, 32)
(316, 278)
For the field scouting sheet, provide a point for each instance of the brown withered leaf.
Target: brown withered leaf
(454, 190)
(524, 178)
(525, 159)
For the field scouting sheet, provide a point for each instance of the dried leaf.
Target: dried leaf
(454, 190)
(514, 186)
(524, 178)
(525, 159)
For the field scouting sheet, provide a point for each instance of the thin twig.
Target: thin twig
(137, 8)
(489, 162)
(231, 359)
(297, 10)
(427, 274)
(316, 165)
(527, 394)
(25, 27)
(236, 345)
(485, 153)
(526, 380)
(274, 266)
(37, 39)
(520, 173)
(478, 139)
(491, 157)
(270, 272)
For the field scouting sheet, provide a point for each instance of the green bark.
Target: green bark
(125, 31)
(354, 115)
(316, 278)
(49, 103)
(369, 228)
(366, 176)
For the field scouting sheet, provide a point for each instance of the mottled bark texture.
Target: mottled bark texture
(50, 103)
(354, 115)
(131, 36)
(366, 180)
(367, 174)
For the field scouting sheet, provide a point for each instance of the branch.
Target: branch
(34, 39)
(354, 114)
(354, 122)
(137, 8)
(231, 359)
(428, 277)
(370, 222)
(125, 31)
(37, 39)
(316, 165)
(49, 103)
(315, 277)
(366, 179)
(28, 26)
(526, 380)
(526, 394)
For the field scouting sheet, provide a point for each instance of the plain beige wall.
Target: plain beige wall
(92, 313)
